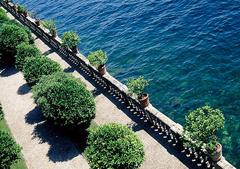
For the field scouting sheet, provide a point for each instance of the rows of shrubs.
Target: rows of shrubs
(10, 150)
(65, 101)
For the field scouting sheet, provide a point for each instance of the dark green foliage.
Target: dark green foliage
(21, 9)
(1, 113)
(14, 22)
(201, 127)
(70, 39)
(36, 67)
(9, 150)
(137, 85)
(114, 146)
(3, 16)
(64, 100)
(97, 58)
(10, 36)
(23, 51)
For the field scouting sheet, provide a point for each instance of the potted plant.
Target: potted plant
(98, 59)
(137, 86)
(200, 131)
(50, 25)
(70, 40)
(37, 21)
(14, 7)
(22, 10)
(7, 1)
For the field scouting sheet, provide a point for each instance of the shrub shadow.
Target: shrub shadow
(64, 145)
(23, 89)
(69, 70)
(34, 116)
(8, 71)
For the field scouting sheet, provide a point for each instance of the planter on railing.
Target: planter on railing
(169, 130)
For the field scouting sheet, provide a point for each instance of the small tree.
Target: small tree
(70, 39)
(97, 58)
(50, 25)
(24, 51)
(137, 85)
(21, 9)
(10, 151)
(200, 130)
(10, 36)
(114, 146)
(64, 100)
(36, 67)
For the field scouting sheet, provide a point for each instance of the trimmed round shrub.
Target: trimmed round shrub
(25, 50)
(1, 113)
(36, 67)
(3, 16)
(114, 146)
(64, 100)
(10, 36)
(10, 150)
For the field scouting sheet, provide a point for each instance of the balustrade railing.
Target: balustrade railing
(156, 120)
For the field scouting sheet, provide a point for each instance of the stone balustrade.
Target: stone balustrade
(170, 130)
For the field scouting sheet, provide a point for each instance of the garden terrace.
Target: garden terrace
(157, 126)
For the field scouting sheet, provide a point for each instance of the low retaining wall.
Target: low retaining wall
(156, 120)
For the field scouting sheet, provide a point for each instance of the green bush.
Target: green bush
(70, 39)
(10, 151)
(64, 100)
(10, 36)
(114, 146)
(1, 113)
(36, 67)
(50, 25)
(97, 58)
(200, 130)
(3, 16)
(24, 51)
(137, 85)
(21, 9)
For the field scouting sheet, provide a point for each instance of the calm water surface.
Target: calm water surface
(189, 49)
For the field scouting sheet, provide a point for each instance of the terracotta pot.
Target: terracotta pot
(74, 49)
(15, 8)
(144, 100)
(25, 14)
(102, 69)
(217, 155)
(37, 22)
(54, 34)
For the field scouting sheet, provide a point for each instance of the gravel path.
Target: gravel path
(46, 148)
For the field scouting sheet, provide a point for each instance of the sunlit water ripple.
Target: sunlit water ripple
(190, 50)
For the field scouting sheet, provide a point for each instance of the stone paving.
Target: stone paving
(45, 148)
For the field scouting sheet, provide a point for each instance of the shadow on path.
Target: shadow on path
(23, 89)
(8, 71)
(62, 147)
(69, 70)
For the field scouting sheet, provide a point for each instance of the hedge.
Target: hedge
(10, 150)
(114, 146)
(64, 100)
(23, 51)
(10, 36)
(36, 67)
(3, 16)
(1, 113)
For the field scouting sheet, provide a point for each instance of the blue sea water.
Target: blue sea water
(188, 49)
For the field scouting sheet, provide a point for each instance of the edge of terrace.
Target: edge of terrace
(156, 120)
